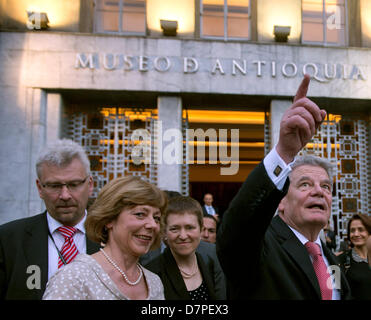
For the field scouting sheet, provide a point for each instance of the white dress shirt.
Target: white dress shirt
(78, 238)
(210, 209)
(271, 161)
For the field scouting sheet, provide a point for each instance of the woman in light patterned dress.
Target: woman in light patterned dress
(125, 218)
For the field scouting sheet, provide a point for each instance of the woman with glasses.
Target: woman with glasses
(125, 218)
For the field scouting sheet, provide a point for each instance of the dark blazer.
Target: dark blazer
(24, 243)
(332, 244)
(204, 211)
(358, 275)
(208, 253)
(174, 287)
(277, 265)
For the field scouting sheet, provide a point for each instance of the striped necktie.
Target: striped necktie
(69, 250)
(320, 269)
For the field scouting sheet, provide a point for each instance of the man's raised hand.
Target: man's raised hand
(299, 123)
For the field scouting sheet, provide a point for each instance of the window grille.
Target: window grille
(344, 142)
(267, 132)
(107, 136)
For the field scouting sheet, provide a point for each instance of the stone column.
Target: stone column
(44, 112)
(170, 143)
(53, 117)
(36, 107)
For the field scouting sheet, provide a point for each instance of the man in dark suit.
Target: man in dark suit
(31, 248)
(278, 264)
(208, 207)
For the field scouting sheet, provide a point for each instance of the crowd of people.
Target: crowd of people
(139, 242)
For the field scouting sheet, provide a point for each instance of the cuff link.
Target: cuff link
(277, 171)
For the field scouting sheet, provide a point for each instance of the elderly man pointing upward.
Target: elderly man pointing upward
(285, 258)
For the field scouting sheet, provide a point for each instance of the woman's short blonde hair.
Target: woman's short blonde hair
(118, 194)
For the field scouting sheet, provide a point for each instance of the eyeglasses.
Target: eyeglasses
(57, 187)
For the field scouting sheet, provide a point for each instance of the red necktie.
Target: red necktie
(69, 250)
(321, 270)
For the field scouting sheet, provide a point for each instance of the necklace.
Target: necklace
(122, 272)
(188, 275)
(357, 257)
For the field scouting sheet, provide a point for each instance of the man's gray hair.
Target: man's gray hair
(315, 161)
(60, 153)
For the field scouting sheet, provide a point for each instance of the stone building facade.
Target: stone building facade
(138, 100)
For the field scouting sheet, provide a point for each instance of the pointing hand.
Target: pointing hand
(299, 123)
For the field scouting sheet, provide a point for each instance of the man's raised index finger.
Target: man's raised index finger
(303, 88)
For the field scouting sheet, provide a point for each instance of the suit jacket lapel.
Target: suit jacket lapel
(297, 251)
(174, 276)
(206, 276)
(36, 247)
(331, 258)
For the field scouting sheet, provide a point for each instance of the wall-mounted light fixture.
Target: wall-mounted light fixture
(281, 33)
(37, 20)
(169, 27)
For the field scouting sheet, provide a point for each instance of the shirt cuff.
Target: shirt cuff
(276, 168)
